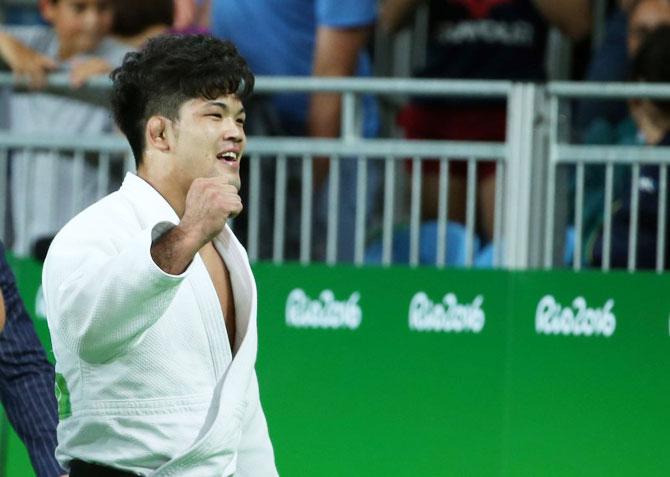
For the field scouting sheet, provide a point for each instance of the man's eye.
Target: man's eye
(215, 115)
(241, 121)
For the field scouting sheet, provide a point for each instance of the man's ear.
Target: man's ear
(158, 134)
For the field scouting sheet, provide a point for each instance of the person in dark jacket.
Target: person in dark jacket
(26, 378)
(652, 117)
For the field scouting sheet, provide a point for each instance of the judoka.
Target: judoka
(150, 299)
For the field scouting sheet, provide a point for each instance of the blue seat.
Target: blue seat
(456, 238)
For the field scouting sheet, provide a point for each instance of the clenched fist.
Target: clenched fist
(209, 204)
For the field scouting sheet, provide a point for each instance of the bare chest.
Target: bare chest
(220, 277)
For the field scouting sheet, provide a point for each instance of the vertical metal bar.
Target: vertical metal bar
(607, 219)
(415, 213)
(579, 206)
(306, 210)
(102, 186)
(551, 183)
(662, 209)
(348, 127)
(4, 193)
(389, 193)
(280, 211)
(333, 209)
(129, 162)
(77, 181)
(498, 213)
(442, 212)
(634, 209)
(361, 206)
(23, 202)
(253, 220)
(470, 206)
(57, 162)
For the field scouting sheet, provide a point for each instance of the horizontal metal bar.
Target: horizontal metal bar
(398, 148)
(573, 89)
(109, 143)
(283, 84)
(570, 154)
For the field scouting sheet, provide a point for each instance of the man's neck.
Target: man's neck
(171, 192)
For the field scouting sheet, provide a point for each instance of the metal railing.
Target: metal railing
(527, 220)
(561, 152)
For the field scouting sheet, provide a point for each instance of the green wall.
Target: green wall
(475, 381)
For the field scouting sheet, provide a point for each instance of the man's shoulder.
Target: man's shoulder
(105, 218)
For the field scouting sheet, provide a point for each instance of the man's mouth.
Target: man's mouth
(229, 157)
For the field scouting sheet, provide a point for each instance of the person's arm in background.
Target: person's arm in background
(396, 14)
(27, 380)
(24, 62)
(336, 54)
(572, 17)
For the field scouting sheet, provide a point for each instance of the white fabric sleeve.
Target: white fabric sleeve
(101, 300)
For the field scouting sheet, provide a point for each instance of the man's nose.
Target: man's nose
(232, 131)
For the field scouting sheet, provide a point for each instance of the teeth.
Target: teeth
(228, 155)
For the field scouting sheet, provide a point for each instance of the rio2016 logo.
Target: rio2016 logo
(551, 318)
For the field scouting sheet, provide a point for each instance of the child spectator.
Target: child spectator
(651, 64)
(75, 43)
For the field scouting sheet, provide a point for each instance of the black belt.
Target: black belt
(79, 468)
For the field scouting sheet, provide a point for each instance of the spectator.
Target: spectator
(626, 29)
(26, 378)
(504, 40)
(136, 22)
(74, 42)
(302, 38)
(651, 64)
(645, 16)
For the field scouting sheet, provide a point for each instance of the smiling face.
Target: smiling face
(80, 24)
(208, 140)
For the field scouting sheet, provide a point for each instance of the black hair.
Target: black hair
(651, 64)
(168, 71)
(132, 17)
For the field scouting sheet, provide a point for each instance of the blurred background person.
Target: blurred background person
(26, 378)
(75, 41)
(609, 127)
(475, 40)
(319, 38)
(597, 122)
(136, 22)
(651, 64)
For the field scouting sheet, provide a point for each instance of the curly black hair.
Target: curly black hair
(168, 71)
(651, 64)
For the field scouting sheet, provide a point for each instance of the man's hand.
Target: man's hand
(83, 70)
(27, 64)
(210, 202)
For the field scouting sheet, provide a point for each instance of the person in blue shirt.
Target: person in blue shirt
(26, 378)
(320, 38)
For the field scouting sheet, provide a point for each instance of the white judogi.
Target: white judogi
(146, 379)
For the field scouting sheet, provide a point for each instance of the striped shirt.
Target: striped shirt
(27, 380)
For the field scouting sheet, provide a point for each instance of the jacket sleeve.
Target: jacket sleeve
(27, 381)
(101, 299)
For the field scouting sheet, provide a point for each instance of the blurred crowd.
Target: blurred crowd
(465, 39)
